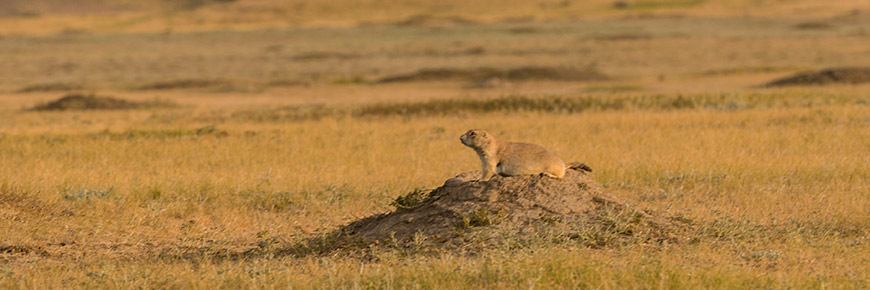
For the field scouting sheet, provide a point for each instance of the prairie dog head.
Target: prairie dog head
(476, 138)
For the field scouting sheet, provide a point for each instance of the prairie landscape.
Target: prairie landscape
(212, 144)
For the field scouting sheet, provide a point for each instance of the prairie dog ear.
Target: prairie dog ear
(482, 133)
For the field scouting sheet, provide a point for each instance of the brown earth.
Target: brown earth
(466, 213)
(842, 75)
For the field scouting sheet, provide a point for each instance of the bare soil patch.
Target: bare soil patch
(468, 214)
(92, 102)
(843, 75)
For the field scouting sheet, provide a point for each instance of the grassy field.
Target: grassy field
(270, 131)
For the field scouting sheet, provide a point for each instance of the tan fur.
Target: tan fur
(510, 158)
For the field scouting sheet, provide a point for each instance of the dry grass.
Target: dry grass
(145, 208)
(285, 135)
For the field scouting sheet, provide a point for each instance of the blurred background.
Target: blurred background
(352, 51)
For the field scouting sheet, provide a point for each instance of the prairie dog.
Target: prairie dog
(510, 158)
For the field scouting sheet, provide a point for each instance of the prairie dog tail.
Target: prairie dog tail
(579, 166)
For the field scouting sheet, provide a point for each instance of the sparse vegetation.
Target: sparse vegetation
(412, 199)
(480, 217)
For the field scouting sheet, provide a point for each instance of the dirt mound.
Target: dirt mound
(91, 102)
(845, 75)
(484, 74)
(466, 213)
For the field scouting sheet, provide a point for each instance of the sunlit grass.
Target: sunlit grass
(775, 191)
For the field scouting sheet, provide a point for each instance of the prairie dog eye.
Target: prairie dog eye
(472, 133)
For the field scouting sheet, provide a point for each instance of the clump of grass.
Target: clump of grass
(480, 217)
(269, 201)
(89, 194)
(93, 102)
(412, 199)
